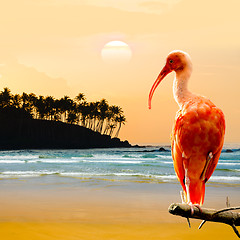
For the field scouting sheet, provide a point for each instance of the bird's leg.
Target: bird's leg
(227, 202)
(188, 221)
(183, 197)
(209, 158)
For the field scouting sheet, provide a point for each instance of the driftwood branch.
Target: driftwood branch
(224, 215)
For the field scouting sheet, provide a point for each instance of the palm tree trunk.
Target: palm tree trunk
(116, 135)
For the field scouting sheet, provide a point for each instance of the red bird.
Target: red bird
(198, 132)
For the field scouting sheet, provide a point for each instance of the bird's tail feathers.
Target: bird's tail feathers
(195, 192)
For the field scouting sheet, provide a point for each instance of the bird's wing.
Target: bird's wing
(212, 165)
(188, 143)
(221, 127)
(177, 153)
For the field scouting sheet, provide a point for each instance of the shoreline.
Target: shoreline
(41, 209)
(91, 200)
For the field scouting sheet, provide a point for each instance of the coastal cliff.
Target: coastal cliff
(43, 134)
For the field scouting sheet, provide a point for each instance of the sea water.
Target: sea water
(148, 165)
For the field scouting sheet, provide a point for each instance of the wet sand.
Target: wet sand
(72, 231)
(90, 209)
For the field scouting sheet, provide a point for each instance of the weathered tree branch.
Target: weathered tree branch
(224, 215)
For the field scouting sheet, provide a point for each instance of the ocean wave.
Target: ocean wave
(227, 170)
(224, 179)
(12, 161)
(46, 156)
(120, 174)
(38, 161)
(126, 175)
(57, 160)
(165, 156)
(113, 161)
(54, 161)
(107, 165)
(83, 156)
(20, 174)
(149, 156)
(165, 162)
(229, 163)
(128, 156)
(18, 157)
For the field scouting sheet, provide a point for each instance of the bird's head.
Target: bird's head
(177, 61)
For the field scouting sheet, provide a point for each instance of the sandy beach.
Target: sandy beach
(90, 209)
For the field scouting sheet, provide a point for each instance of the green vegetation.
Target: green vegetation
(98, 116)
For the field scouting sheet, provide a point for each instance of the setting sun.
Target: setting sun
(116, 52)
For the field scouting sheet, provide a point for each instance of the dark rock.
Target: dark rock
(162, 149)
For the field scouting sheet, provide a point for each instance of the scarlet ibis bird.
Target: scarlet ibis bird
(198, 132)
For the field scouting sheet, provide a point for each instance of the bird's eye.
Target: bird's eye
(170, 61)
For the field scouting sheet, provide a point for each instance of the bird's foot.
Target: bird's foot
(192, 207)
(183, 198)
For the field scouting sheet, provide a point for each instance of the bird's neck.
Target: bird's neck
(180, 87)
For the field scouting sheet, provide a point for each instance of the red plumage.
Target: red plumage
(198, 132)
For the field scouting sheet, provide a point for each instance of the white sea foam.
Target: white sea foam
(167, 178)
(18, 157)
(113, 161)
(79, 174)
(165, 156)
(19, 174)
(168, 162)
(224, 179)
(229, 163)
(12, 161)
(53, 161)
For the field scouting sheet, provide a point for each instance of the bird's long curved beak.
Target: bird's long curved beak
(165, 71)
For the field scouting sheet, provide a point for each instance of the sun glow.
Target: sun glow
(116, 52)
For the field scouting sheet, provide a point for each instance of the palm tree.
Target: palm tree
(49, 107)
(16, 101)
(80, 97)
(57, 110)
(112, 112)
(65, 104)
(72, 116)
(28, 102)
(5, 98)
(111, 127)
(40, 107)
(80, 104)
(98, 116)
(120, 120)
(32, 99)
(95, 113)
(92, 115)
(103, 109)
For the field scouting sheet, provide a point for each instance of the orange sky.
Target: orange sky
(53, 47)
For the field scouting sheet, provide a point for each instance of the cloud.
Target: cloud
(154, 6)
(20, 78)
(157, 6)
